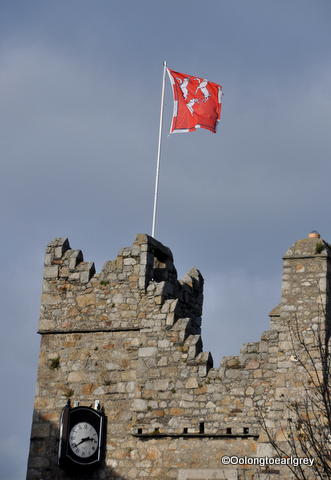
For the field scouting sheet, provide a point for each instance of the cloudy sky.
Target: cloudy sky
(80, 85)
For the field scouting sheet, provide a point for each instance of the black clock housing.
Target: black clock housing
(76, 419)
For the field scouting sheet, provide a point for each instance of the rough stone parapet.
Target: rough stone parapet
(131, 337)
(308, 247)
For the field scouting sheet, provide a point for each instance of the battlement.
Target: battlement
(141, 277)
(131, 337)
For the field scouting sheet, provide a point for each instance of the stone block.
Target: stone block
(252, 364)
(40, 430)
(129, 261)
(75, 258)
(49, 299)
(147, 351)
(264, 450)
(48, 258)
(76, 377)
(192, 382)
(51, 272)
(38, 462)
(75, 276)
(58, 252)
(163, 343)
(85, 300)
(161, 385)
(139, 405)
(117, 299)
(142, 282)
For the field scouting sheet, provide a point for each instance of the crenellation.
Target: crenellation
(130, 336)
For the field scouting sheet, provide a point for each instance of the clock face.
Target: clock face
(83, 439)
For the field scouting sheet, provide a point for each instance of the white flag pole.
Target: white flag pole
(159, 150)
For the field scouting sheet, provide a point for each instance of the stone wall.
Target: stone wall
(130, 337)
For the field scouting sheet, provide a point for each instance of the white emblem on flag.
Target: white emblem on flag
(200, 97)
(183, 86)
(191, 103)
(203, 87)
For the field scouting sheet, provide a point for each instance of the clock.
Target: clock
(83, 439)
(81, 436)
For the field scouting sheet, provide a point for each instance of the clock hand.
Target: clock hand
(89, 439)
(83, 440)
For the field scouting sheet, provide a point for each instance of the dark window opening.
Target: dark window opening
(140, 431)
(185, 430)
(202, 427)
(246, 430)
(229, 431)
(160, 272)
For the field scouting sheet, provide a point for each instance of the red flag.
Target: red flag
(197, 103)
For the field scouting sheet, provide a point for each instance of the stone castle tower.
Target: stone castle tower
(130, 337)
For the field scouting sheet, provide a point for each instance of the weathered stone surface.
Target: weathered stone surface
(147, 351)
(129, 336)
(85, 300)
(51, 272)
